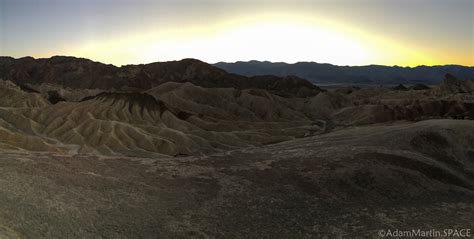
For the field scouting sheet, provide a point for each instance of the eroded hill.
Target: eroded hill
(181, 118)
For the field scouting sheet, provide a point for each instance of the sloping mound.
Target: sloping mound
(287, 86)
(325, 104)
(407, 110)
(20, 133)
(227, 103)
(419, 87)
(373, 163)
(377, 105)
(16, 98)
(141, 100)
(400, 87)
(451, 85)
(114, 123)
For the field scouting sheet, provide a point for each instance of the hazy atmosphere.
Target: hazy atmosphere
(342, 32)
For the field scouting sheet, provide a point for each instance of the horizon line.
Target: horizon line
(239, 61)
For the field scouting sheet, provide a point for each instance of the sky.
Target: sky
(341, 32)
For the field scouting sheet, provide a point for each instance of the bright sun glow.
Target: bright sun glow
(270, 37)
(277, 41)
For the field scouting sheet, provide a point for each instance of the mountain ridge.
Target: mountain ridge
(325, 63)
(82, 73)
(369, 74)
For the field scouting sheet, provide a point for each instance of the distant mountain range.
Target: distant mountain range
(332, 74)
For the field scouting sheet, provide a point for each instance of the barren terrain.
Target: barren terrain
(181, 149)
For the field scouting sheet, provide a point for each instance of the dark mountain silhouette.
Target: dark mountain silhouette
(371, 74)
(82, 73)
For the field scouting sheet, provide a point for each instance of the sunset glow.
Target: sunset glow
(286, 34)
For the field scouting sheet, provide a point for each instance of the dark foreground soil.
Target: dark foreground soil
(351, 183)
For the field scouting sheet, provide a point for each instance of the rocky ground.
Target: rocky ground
(351, 182)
